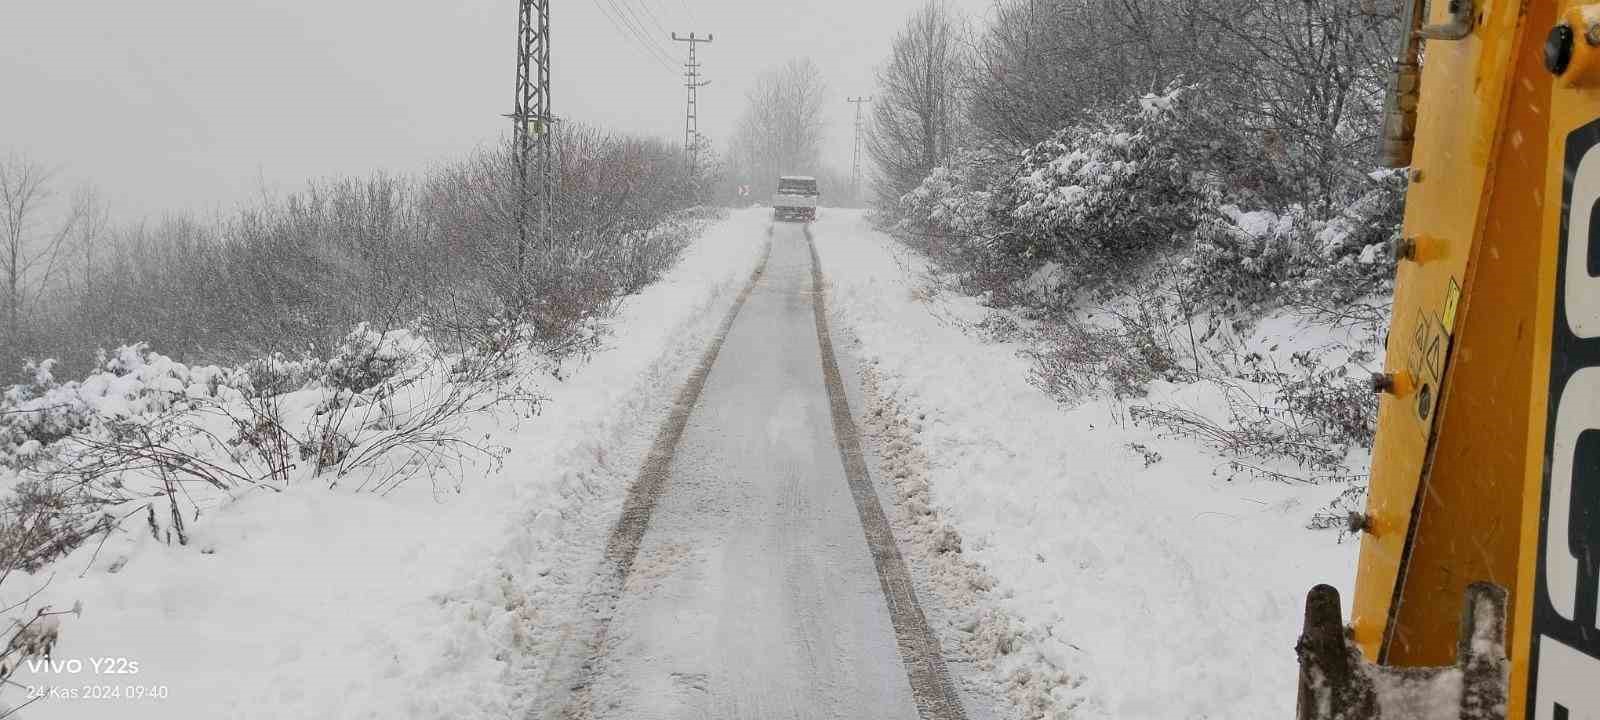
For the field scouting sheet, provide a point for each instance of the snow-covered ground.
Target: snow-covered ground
(1077, 575)
(314, 603)
(1139, 590)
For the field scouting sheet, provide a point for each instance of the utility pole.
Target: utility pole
(855, 171)
(691, 121)
(531, 123)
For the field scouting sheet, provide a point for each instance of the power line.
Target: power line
(631, 33)
(642, 38)
(629, 15)
(653, 19)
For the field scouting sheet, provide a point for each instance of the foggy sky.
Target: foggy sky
(201, 104)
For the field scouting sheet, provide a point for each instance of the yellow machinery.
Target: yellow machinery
(1486, 472)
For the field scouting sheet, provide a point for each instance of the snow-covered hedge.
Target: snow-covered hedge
(1242, 261)
(1113, 188)
(953, 201)
(1106, 191)
(1166, 173)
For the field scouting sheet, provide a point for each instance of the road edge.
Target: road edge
(920, 650)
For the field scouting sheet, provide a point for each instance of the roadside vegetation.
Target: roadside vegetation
(344, 335)
(1142, 206)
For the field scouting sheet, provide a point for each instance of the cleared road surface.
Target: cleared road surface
(755, 592)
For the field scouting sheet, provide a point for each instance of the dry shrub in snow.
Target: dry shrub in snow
(31, 631)
(1150, 331)
(1310, 417)
(293, 274)
(1332, 401)
(570, 297)
(1344, 513)
(33, 636)
(1078, 359)
(147, 438)
(1291, 415)
(160, 441)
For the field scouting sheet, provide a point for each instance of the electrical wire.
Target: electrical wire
(629, 25)
(632, 33)
(653, 19)
(644, 32)
(631, 19)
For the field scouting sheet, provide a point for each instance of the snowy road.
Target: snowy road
(755, 593)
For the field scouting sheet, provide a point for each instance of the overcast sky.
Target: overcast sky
(199, 104)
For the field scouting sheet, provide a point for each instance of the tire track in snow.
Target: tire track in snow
(984, 634)
(931, 687)
(564, 692)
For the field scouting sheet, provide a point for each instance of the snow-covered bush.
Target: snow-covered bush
(367, 358)
(1355, 249)
(145, 434)
(1247, 261)
(276, 374)
(1171, 171)
(952, 216)
(954, 200)
(1106, 192)
(133, 382)
(36, 414)
(1242, 261)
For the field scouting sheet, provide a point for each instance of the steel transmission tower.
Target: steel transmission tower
(691, 121)
(855, 170)
(531, 123)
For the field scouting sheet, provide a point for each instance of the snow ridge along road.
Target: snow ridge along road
(924, 659)
(740, 583)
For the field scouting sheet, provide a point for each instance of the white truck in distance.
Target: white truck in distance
(796, 199)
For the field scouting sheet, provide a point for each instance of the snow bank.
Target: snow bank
(429, 601)
(1154, 586)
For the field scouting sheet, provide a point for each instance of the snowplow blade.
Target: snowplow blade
(1338, 683)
